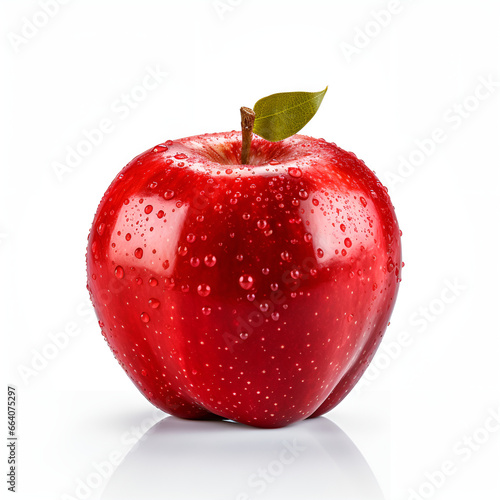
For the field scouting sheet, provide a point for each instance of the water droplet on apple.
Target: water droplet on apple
(285, 255)
(100, 228)
(194, 261)
(348, 242)
(180, 156)
(274, 286)
(160, 214)
(363, 201)
(308, 237)
(275, 316)
(264, 306)
(119, 272)
(191, 238)
(246, 281)
(303, 194)
(251, 297)
(145, 317)
(138, 253)
(168, 194)
(154, 303)
(243, 335)
(128, 236)
(182, 251)
(194, 372)
(148, 209)
(210, 260)
(320, 252)
(206, 310)
(265, 271)
(204, 290)
(315, 202)
(350, 318)
(261, 224)
(144, 373)
(153, 281)
(294, 172)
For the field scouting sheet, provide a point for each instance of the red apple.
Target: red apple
(257, 292)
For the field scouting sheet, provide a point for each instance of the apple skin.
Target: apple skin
(257, 293)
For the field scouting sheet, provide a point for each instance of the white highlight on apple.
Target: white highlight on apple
(31, 26)
(121, 108)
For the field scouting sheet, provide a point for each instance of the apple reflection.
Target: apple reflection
(183, 459)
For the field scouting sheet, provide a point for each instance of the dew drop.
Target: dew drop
(275, 316)
(154, 303)
(191, 238)
(100, 228)
(251, 297)
(128, 236)
(203, 290)
(350, 318)
(274, 286)
(320, 253)
(145, 317)
(160, 214)
(245, 281)
(363, 201)
(342, 227)
(294, 172)
(315, 202)
(343, 252)
(295, 274)
(264, 306)
(180, 156)
(308, 237)
(144, 373)
(348, 242)
(206, 310)
(246, 216)
(265, 271)
(153, 281)
(261, 224)
(119, 272)
(195, 262)
(182, 251)
(138, 253)
(168, 194)
(285, 255)
(210, 260)
(243, 335)
(148, 209)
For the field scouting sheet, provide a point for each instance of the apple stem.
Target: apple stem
(247, 121)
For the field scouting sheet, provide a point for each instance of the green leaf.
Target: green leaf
(282, 115)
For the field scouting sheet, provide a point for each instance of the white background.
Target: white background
(422, 401)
